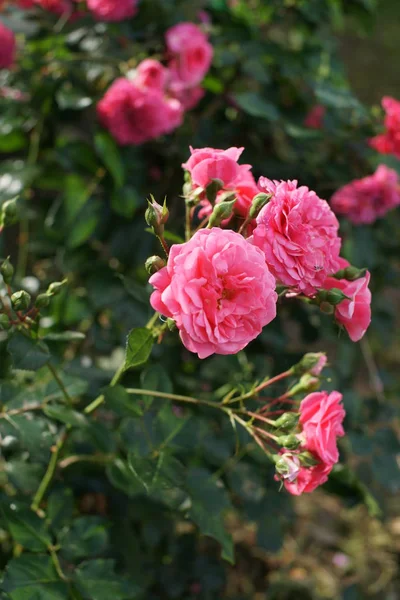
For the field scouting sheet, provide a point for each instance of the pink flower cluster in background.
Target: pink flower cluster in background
(154, 101)
(367, 199)
(7, 47)
(321, 418)
(101, 10)
(389, 141)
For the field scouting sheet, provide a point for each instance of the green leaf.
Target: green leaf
(109, 153)
(64, 414)
(161, 472)
(209, 503)
(27, 354)
(75, 197)
(33, 577)
(125, 201)
(344, 482)
(124, 404)
(26, 528)
(155, 378)
(65, 336)
(120, 475)
(138, 347)
(254, 105)
(97, 580)
(86, 537)
(60, 508)
(84, 226)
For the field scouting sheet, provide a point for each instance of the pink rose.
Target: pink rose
(26, 3)
(188, 96)
(206, 164)
(191, 53)
(321, 415)
(308, 479)
(389, 142)
(365, 200)
(112, 10)
(151, 74)
(218, 290)
(298, 233)
(315, 117)
(353, 314)
(245, 188)
(7, 47)
(134, 114)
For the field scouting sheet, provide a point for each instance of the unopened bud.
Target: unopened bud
(333, 296)
(171, 324)
(212, 189)
(350, 273)
(326, 308)
(307, 459)
(287, 466)
(4, 323)
(20, 300)
(7, 271)
(9, 213)
(310, 361)
(287, 421)
(55, 288)
(222, 211)
(154, 264)
(308, 383)
(258, 202)
(42, 301)
(291, 442)
(156, 216)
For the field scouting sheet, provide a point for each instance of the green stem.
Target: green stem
(188, 232)
(48, 476)
(56, 563)
(60, 383)
(178, 398)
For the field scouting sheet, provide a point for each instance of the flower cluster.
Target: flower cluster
(389, 141)
(219, 286)
(367, 199)
(101, 10)
(7, 47)
(152, 103)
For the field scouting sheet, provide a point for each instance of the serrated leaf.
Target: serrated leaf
(160, 472)
(26, 528)
(64, 414)
(33, 577)
(86, 537)
(27, 354)
(209, 503)
(97, 580)
(118, 400)
(138, 347)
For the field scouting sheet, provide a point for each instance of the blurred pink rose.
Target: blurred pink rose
(353, 314)
(26, 3)
(151, 74)
(298, 233)
(135, 114)
(308, 479)
(218, 290)
(112, 10)
(189, 97)
(7, 47)
(315, 117)
(389, 142)
(365, 200)
(321, 415)
(190, 51)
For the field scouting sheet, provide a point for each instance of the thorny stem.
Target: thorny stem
(164, 244)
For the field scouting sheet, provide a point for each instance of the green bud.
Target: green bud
(171, 324)
(7, 271)
(350, 273)
(55, 288)
(42, 301)
(20, 300)
(222, 211)
(212, 189)
(291, 442)
(287, 421)
(308, 383)
(258, 202)
(5, 324)
(333, 296)
(156, 215)
(307, 363)
(326, 308)
(9, 213)
(154, 264)
(307, 459)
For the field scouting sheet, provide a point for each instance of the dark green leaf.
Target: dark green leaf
(26, 528)
(64, 414)
(60, 508)
(109, 152)
(138, 347)
(87, 537)
(97, 580)
(254, 105)
(157, 379)
(124, 404)
(160, 472)
(33, 577)
(27, 354)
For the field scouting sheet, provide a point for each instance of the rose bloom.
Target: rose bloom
(365, 200)
(135, 114)
(191, 53)
(151, 74)
(218, 290)
(308, 479)
(389, 142)
(353, 314)
(188, 96)
(7, 47)
(321, 416)
(206, 164)
(112, 10)
(315, 118)
(298, 233)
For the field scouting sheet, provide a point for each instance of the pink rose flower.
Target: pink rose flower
(365, 200)
(112, 10)
(135, 114)
(321, 416)
(191, 53)
(151, 74)
(26, 3)
(389, 142)
(308, 479)
(353, 314)
(298, 233)
(7, 47)
(206, 164)
(218, 290)
(315, 118)
(188, 96)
